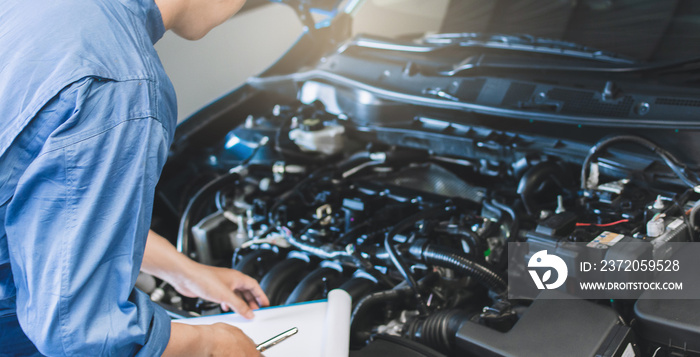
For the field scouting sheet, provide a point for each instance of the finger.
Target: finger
(249, 284)
(242, 282)
(250, 299)
(239, 305)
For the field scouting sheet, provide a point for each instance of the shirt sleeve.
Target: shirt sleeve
(78, 222)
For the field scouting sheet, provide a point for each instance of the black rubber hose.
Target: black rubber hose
(533, 178)
(396, 258)
(282, 278)
(257, 263)
(473, 242)
(354, 160)
(368, 302)
(439, 330)
(445, 257)
(470, 238)
(371, 300)
(358, 287)
(183, 234)
(671, 161)
(315, 285)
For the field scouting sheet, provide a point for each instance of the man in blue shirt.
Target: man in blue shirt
(87, 115)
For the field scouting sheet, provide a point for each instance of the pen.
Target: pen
(277, 339)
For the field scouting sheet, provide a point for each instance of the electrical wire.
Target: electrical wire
(671, 161)
(580, 224)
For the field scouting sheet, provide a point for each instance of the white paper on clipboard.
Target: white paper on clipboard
(324, 326)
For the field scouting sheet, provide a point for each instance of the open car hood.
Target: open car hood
(409, 171)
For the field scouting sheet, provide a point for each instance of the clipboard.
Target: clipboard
(324, 326)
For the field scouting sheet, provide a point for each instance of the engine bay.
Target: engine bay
(413, 219)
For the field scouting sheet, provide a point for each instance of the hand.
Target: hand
(209, 340)
(228, 338)
(230, 288)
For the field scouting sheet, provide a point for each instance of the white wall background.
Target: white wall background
(204, 70)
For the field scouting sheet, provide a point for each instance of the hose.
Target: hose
(183, 234)
(533, 177)
(671, 161)
(469, 237)
(257, 263)
(359, 286)
(371, 300)
(445, 257)
(315, 285)
(282, 278)
(364, 159)
(439, 330)
(396, 258)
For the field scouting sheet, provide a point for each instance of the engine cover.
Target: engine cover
(553, 328)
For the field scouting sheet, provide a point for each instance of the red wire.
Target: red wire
(603, 224)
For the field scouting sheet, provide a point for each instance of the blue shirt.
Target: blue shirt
(87, 115)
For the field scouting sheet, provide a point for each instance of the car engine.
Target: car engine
(413, 219)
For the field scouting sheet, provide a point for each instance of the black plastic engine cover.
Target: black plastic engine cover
(673, 323)
(568, 327)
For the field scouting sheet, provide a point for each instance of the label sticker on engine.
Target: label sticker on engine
(605, 240)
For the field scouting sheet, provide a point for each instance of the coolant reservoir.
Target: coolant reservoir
(313, 135)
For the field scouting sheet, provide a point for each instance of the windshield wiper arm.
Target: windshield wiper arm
(490, 61)
(522, 43)
(526, 43)
(543, 45)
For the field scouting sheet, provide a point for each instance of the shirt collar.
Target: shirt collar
(150, 13)
(154, 21)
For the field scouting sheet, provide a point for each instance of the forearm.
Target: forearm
(185, 340)
(162, 260)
